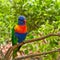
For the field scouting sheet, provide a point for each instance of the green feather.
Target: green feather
(14, 38)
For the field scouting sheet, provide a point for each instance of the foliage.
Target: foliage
(36, 11)
(43, 16)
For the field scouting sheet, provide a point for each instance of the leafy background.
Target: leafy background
(43, 17)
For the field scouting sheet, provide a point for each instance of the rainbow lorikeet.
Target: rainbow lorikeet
(19, 33)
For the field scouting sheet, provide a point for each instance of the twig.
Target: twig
(43, 39)
(39, 54)
(7, 56)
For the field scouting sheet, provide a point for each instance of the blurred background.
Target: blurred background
(43, 17)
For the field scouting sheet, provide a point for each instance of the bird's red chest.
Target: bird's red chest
(20, 29)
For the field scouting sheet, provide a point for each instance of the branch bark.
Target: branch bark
(39, 54)
(9, 52)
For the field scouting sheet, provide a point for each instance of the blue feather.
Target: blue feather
(21, 37)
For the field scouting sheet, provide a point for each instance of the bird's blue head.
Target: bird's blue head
(21, 20)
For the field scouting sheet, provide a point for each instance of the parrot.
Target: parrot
(19, 33)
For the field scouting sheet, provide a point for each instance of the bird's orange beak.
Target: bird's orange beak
(24, 21)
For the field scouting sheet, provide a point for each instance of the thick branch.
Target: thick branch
(8, 54)
(39, 54)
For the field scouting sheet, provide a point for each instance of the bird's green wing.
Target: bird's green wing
(14, 38)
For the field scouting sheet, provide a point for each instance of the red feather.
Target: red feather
(20, 28)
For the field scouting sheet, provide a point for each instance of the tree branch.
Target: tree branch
(9, 52)
(39, 54)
